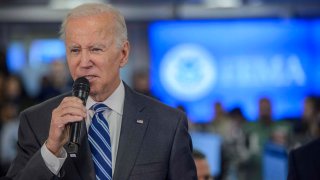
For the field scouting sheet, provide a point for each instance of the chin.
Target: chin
(93, 91)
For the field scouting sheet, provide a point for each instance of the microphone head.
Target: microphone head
(81, 80)
(81, 88)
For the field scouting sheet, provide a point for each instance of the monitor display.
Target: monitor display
(44, 51)
(35, 54)
(196, 63)
(31, 60)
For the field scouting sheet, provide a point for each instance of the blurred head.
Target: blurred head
(97, 46)
(309, 105)
(218, 110)
(8, 112)
(2, 82)
(202, 165)
(12, 88)
(237, 115)
(141, 82)
(265, 109)
(59, 74)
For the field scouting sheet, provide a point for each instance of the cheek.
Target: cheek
(72, 68)
(107, 69)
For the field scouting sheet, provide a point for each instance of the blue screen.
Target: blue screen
(236, 62)
(32, 60)
(44, 51)
(35, 54)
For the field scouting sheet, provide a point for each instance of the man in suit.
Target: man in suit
(304, 162)
(149, 140)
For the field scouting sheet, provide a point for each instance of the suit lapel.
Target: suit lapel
(133, 128)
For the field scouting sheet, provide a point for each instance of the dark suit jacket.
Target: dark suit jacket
(160, 148)
(304, 162)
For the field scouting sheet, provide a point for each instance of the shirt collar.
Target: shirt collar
(115, 101)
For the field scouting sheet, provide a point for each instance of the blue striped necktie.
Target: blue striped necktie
(100, 144)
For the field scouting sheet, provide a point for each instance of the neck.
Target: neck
(107, 93)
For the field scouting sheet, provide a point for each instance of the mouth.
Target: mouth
(90, 78)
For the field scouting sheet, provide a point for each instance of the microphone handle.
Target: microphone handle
(73, 146)
(74, 136)
(75, 132)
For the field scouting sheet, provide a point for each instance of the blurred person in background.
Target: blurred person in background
(141, 83)
(306, 128)
(154, 142)
(2, 80)
(47, 89)
(60, 76)
(259, 133)
(221, 122)
(260, 130)
(13, 89)
(55, 82)
(14, 100)
(14, 92)
(229, 125)
(311, 116)
(264, 130)
(236, 151)
(8, 135)
(304, 158)
(3, 63)
(202, 165)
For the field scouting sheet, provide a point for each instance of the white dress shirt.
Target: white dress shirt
(114, 117)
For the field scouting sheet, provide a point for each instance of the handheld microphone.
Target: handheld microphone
(80, 89)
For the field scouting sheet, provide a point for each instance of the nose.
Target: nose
(85, 60)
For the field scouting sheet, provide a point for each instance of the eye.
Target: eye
(75, 50)
(96, 50)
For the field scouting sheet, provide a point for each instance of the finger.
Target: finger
(72, 99)
(76, 103)
(70, 110)
(71, 118)
(61, 124)
(70, 105)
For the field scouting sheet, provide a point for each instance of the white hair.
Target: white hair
(90, 9)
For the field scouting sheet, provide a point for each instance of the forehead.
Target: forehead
(98, 26)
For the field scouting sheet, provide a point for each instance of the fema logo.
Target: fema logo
(188, 72)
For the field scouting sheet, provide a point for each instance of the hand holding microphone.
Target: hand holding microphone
(66, 118)
(80, 89)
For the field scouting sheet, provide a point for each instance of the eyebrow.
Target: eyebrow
(90, 46)
(98, 45)
(74, 46)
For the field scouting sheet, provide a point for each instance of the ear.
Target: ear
(125, 54)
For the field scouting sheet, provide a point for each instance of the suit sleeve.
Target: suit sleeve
(181, 164)
(28, 163)
(292, 173)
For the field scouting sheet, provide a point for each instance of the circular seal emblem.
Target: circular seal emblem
(188, 72)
